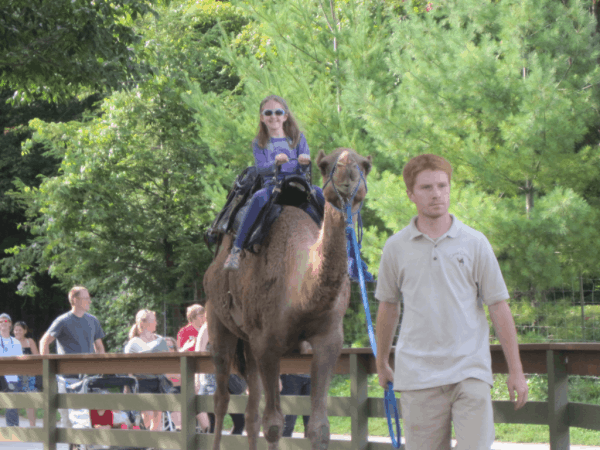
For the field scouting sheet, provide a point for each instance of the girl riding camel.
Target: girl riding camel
(278, 140)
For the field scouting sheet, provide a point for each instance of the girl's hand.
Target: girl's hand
(282, 158)
(304, 159)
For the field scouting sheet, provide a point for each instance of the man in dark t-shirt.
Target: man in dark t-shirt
(74, 332)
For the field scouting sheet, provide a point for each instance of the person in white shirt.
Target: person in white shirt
(9, 346)
(143, 339)
(443, 272)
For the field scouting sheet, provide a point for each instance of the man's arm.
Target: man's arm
(99, 346)
(387, 321)
(507, 335)
(45, 343)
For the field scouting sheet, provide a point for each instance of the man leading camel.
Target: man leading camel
(444, 272)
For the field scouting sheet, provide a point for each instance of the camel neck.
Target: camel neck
(332, 260)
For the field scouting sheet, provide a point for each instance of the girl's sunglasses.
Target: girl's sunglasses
(270, 112)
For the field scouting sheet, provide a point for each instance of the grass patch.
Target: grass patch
(539, 434)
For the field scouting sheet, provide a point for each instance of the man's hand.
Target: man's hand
(387, 321)
(304, 160)
(507, 335)
(281, 158)
(385, 373)
(518, 384)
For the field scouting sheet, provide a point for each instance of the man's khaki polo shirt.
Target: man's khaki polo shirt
(443, 283)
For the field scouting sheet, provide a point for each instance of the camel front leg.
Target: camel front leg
(252, 408)
(326, 350)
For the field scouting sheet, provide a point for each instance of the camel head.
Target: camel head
(346, 166)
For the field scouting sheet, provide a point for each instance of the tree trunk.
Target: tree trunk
(582, 301)
(528, 197)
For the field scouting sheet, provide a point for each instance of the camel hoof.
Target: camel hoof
(273, 433)
(323, 441)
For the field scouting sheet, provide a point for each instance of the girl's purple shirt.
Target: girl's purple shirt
(264, 158)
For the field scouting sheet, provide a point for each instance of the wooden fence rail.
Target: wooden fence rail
(556, 360)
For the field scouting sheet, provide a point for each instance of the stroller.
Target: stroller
(83, 418)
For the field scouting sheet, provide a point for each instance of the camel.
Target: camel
(295, 289)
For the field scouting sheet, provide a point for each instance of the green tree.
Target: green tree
(37, 311)
(55, 49)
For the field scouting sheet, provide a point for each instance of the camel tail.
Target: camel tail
(239, 362)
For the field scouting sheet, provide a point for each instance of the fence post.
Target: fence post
(50, 403)
(558, 400)
(188, 403)
(359, 391)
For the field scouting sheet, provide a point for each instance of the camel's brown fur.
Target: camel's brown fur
(296, 288)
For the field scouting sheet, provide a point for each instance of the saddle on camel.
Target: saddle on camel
(295, 289)
(292, 190)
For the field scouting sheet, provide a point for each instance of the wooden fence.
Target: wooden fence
(556, 360)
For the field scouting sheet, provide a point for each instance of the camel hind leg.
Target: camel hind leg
(223, 344)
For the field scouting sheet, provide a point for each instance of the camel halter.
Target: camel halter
(345, 204)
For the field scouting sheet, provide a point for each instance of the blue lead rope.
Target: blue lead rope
(389, 397)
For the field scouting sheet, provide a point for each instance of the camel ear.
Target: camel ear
(322, 163)
(320, 156)
(367, 164)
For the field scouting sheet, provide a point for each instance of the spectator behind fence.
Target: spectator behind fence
(26, 382)
(143, 339)
(292, 384)
(74, 332)
(206, 384)
(186, 337)
(10, 347)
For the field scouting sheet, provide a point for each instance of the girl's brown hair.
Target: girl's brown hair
(23, 325)
(290, 126)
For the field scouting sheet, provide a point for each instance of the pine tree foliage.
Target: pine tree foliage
(507, 91)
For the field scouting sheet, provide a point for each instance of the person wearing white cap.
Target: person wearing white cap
(9, 346)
